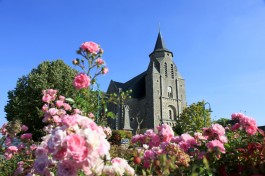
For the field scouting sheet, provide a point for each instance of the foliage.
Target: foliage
(122, 152)
(16, 152)
(192, 118)
(117, 135)
(24, 102)
(223, 121)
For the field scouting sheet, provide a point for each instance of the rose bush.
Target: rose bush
(233, 150)
(75, 144)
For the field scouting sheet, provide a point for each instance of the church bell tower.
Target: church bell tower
(165, 88)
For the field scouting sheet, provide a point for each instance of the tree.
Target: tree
(223, 121)
(25, 101)
(192, 118)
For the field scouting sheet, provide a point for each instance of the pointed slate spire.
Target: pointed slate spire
(160, 44)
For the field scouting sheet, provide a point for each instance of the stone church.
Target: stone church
(158, 94)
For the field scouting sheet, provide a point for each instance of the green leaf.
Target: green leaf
(70, 100)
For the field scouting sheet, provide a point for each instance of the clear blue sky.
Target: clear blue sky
(218, 46)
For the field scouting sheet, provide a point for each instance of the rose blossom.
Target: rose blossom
(216, 144)
(165, 132)
(59, 103)
(99, 61)
(12, 148)
(26, 136)
(76, 147)
(24, 128)
(81, 81)
(251, 129)
(69, 120)
(218, 129)
(105, 70)
(90, 47)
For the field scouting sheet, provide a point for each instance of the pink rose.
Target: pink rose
(90, 47)
(33, 147)
(8, 155)
(45, 108)
(77, 111)
(69, 120)
(218, 129)
(251, 129)
(99, 61)
(165, 132)
(24, 128)
(81, 81)
(59, 103)
(76, 146)
(12, 148)
(105, 70)
(67, 107)
(62, 98)
(26, 136)
(216, 144)
(223, 139)
(235, 127)
(46, 98)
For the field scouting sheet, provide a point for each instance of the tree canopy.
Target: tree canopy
(25, 101)
(192, 118)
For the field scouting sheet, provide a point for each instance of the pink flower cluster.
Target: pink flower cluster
(152, 139)
(185, 141)
(92, 53)
(245, 122)
(81, 81)
(164, 142)
(12, 145)
(49, 95)
(56, 110)
(90, 47)
(216, 137)
(75, 143)
(156, 144)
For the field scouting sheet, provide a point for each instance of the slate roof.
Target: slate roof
(136, 84)
(160, 45)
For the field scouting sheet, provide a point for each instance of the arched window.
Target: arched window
(170, 114)
(172, 71)
(165, 65)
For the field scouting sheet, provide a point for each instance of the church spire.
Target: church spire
(160, 44)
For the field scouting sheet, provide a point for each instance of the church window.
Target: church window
(169, 92)
(170, 114)
(172, 71)
(165, 65)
